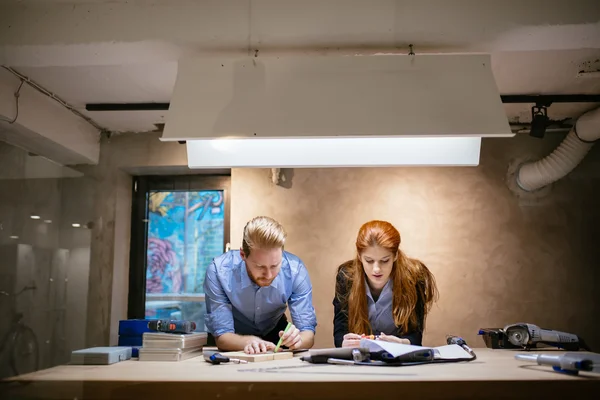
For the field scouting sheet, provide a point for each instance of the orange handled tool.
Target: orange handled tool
(372, 337)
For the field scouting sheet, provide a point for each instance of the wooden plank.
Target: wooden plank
(269, 356)
(491, 365)
(249, 357)
(283, 355)
(301, 390)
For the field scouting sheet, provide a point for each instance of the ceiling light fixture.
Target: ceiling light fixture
(336, 107)
(326, 152)
(35, 217)
(14, 237)
(76, 225)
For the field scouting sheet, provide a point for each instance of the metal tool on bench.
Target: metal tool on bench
(528, 336)
(450, 339)
(343, 355)
(358, 356)
(172, 326)
(495, 338)
(216, 358)
(570, 363)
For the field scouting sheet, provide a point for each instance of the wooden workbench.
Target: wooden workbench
(495, 374)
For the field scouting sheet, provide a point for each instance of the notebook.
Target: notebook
(390, 351)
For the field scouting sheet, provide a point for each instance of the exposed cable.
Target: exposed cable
(33, 84)
(17, 94)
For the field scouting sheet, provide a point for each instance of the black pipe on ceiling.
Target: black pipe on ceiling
(127, 106)
(545, 99)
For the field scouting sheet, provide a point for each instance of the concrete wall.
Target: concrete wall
(120, 157)
(43, 126)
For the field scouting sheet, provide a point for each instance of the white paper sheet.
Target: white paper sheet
(448, 352)
(451, 352)
(394, 349)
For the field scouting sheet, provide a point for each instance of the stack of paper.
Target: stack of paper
(160, 346)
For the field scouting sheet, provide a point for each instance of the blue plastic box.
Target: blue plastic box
(131, 340)
(133, 327)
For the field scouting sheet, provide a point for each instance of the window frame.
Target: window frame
(142, 186)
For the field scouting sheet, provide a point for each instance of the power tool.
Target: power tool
(570, 363)
(528, 336)
(172, 326)
(216, 358)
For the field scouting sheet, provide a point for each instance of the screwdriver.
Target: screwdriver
(218, 358)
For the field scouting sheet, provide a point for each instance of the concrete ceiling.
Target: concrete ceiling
(114, 51)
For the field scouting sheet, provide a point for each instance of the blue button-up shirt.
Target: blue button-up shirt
(380, 312)
(236, 304)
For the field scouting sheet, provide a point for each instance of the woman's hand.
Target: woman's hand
(351, 340)
(393, 339)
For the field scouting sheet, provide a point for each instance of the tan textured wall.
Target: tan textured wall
(498, 259)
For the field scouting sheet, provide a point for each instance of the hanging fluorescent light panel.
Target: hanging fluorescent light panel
(325, 152)
(271, 105)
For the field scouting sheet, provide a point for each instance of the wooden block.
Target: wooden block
(283, 355)
(270, 356)
(249, 357)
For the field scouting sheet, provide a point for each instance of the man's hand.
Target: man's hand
(257, 346)
(393, 339)
(351, 340)
(291, 339)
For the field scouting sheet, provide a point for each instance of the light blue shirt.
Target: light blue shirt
(236, 304)
(380, 312)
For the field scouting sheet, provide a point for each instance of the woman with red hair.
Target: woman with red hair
(381, 291)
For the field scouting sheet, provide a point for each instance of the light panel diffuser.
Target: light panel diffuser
(340, 152)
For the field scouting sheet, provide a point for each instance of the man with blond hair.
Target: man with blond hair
(247, 292)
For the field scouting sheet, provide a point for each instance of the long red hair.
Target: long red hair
(410, 277)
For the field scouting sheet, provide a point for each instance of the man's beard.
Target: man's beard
(260, 281)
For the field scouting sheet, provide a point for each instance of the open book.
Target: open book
(410, 353)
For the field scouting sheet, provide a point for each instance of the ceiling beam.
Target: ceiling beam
(510, 98)
(548, 99)
(39, 124)
(76, 34)
(127, 106)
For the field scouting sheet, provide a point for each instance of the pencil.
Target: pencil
(281, 338)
